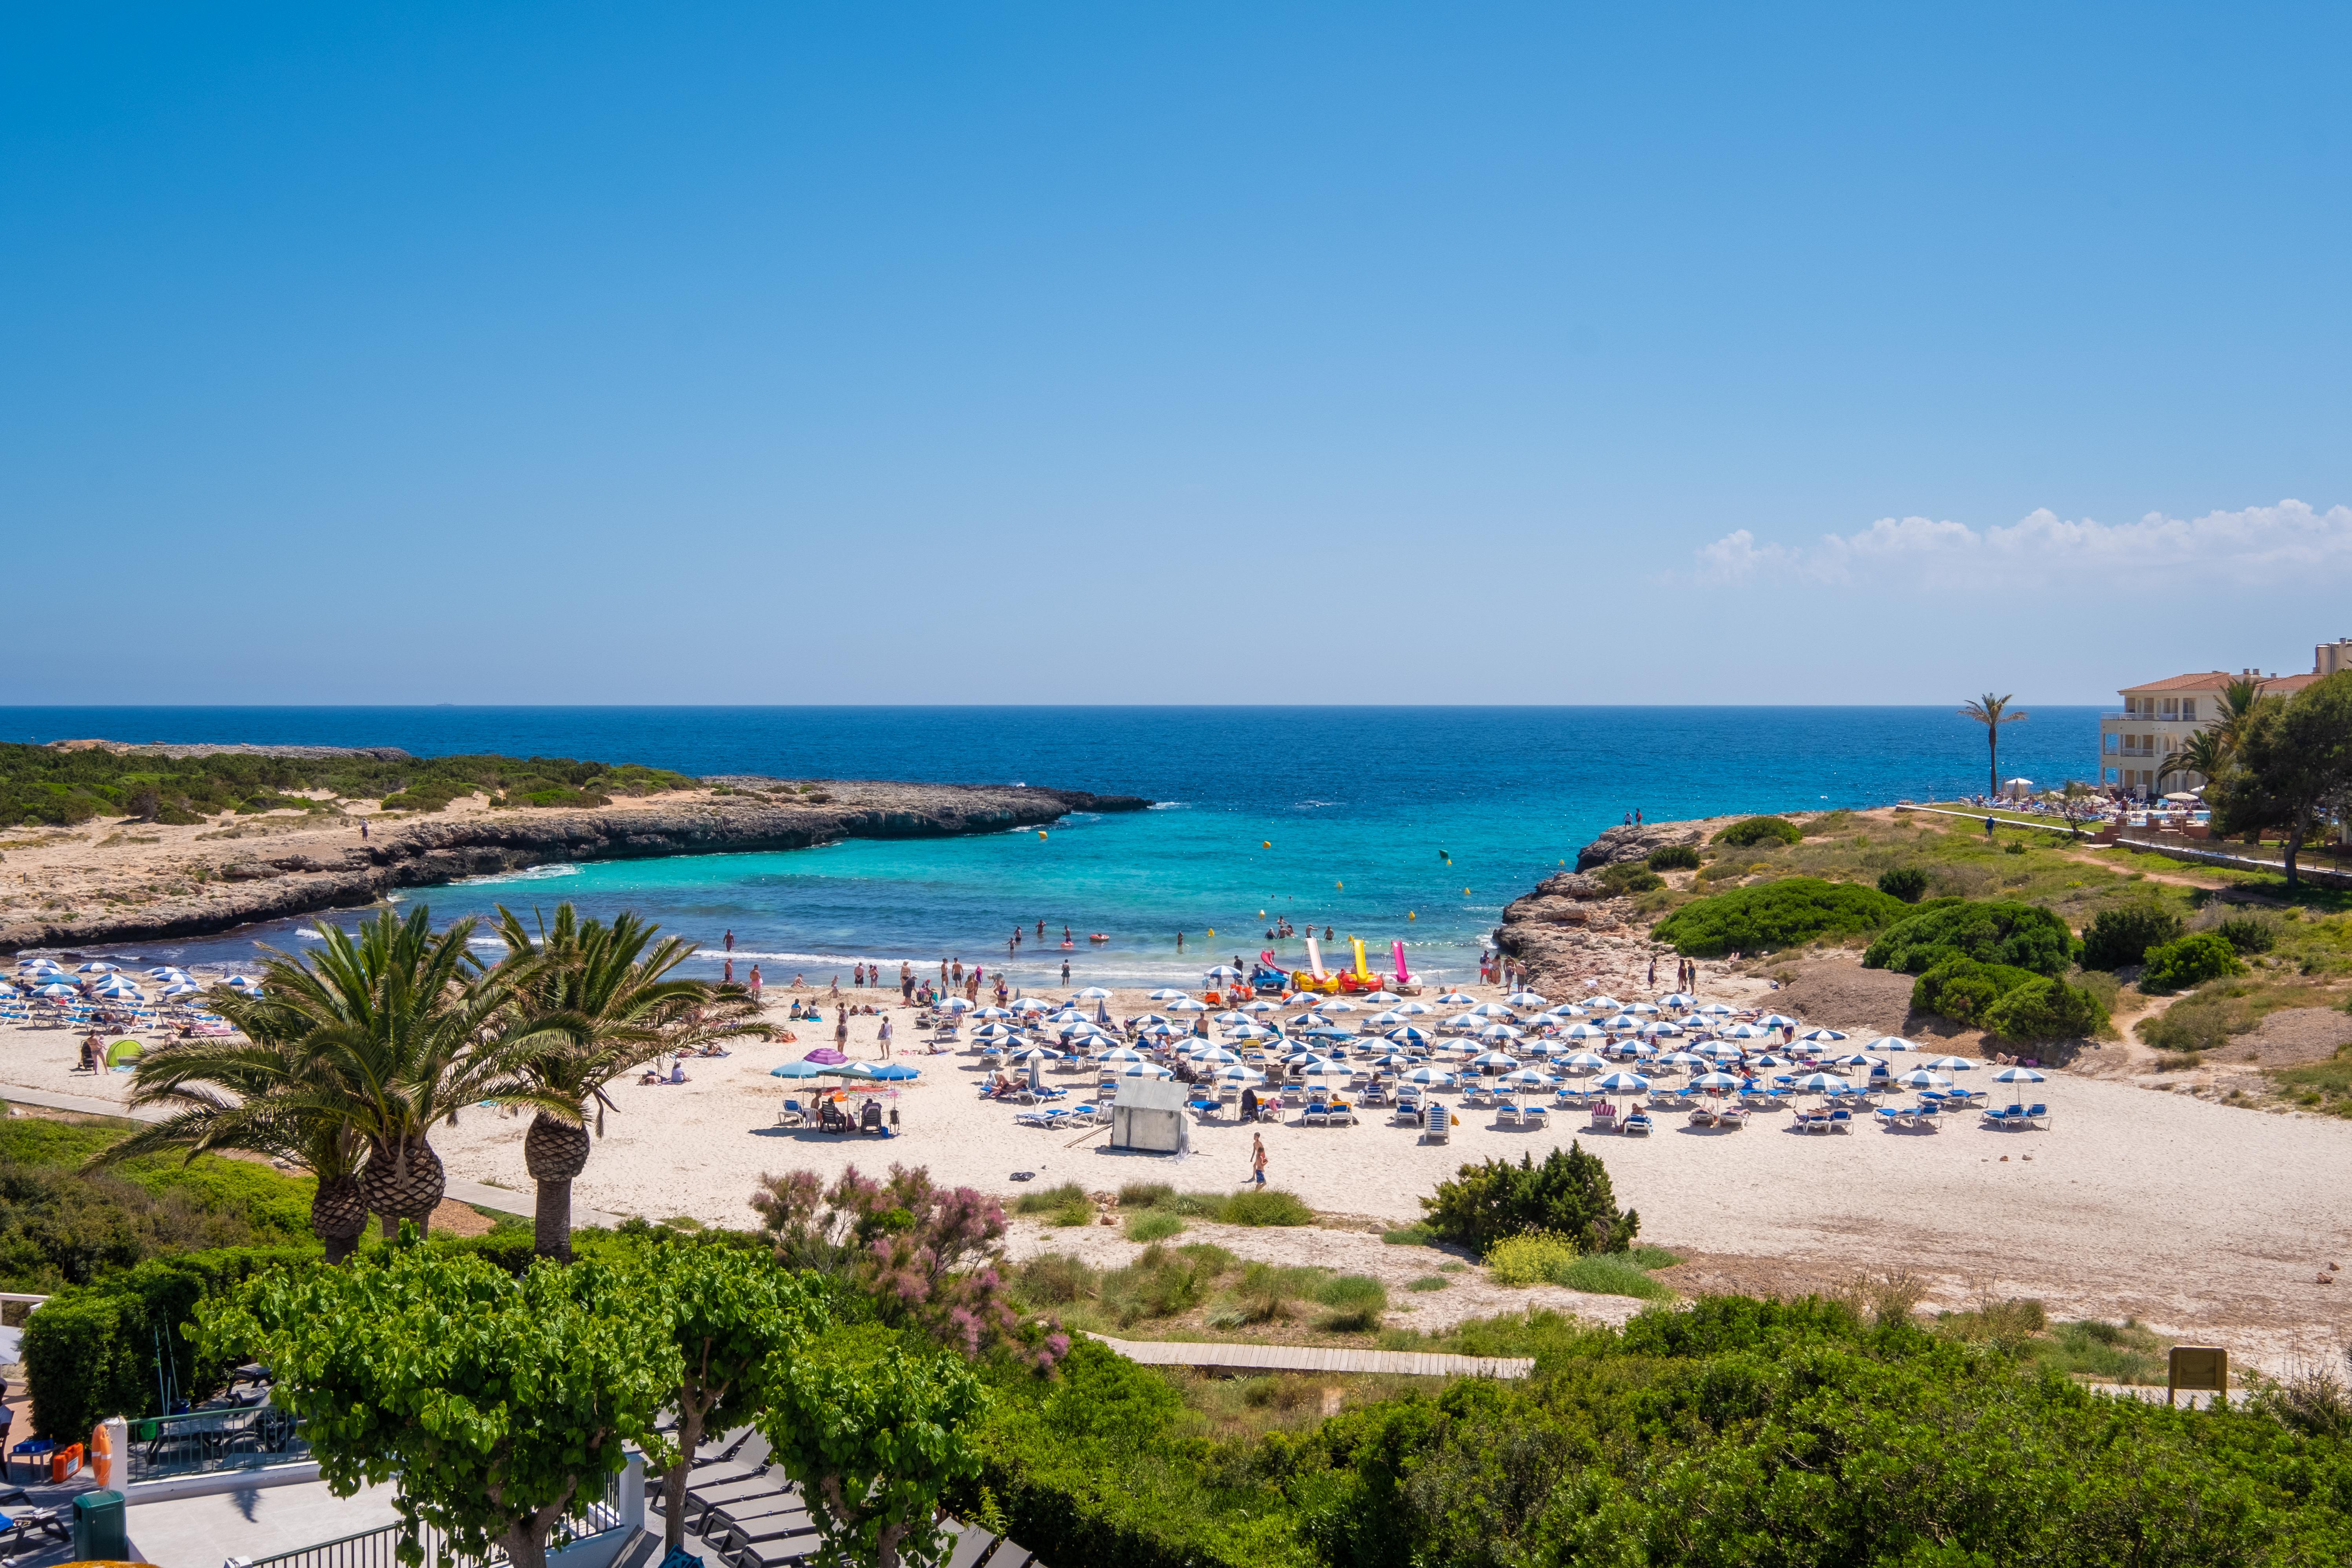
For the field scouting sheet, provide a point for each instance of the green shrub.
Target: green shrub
(1054, 1280)
(1152, 1225)
(2119, 937)
(1758, 830)
(1606, 1274)
(1158, 1284)
(1908, 883)
(2043, 1009)
(1675, 858)
(1428, 1282)
(1050, 1199)
(1828, 822)
(1773, 915)
(2014, 847)
(1272, 1206)
(1568, 1194)
(1963, 990)
(1530, 1257)
(2249, 933)
(2023, 936)
(1357, 1301)
(2191, 960)
(1628, 877)
(1145, 1194)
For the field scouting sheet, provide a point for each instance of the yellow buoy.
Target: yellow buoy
(1466, 892)
(1410, 915)
(1041, 833)
(1265, 844)
(1339, 884)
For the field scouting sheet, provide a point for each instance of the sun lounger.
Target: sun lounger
(1536, 1113)
(791, 1115)
(1437, 1123)
(1604, 1117)
(1702, 1114)
(2001, 1118)
(2038, 1114)
(1840, 1121)
(1637, 1125)
(1506, 1115)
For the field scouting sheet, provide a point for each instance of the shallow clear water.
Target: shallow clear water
(1408, 823)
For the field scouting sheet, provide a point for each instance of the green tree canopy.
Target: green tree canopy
(2292, 767)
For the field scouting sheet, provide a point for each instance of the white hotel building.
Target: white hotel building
(2158, 717)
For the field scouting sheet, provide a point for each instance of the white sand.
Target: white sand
(2200, 1219)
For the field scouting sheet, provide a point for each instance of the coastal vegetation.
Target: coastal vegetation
(2288, 766)
(1788, 912)
(1567, 1197)
(1755, 830)
(43, 784)
(1991, 931)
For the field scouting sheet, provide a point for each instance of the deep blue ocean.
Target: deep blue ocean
(1412, 823)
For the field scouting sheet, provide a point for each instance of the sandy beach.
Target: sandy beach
(2200, 1219)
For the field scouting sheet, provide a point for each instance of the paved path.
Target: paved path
(1316, 1358)
(477, 1193)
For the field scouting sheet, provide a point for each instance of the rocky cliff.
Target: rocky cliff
(188, 885)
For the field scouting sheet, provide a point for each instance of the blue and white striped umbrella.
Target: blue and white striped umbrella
(1658, 1028)
(1685, 1060)
(1822, 1037)
(1567, 1012)
(1123, 1053)
(1409, 1035)
(1544, 1048)
(1338, 1004)
(1920, 1077)
(1604, 1002)
(1187, 1005)
(1718, 1009)
(1032, 1054)
(1585, 1061)
(1456, 999)
(1247, 1078)
(56, 991)
(993, 1013)
(1745, 1032)
(1781, 1021)
(1715, 1081)
(1166, 994)
(1492, 1010)
(1501, 1032)
(2017, 1075)
(999, 1032)
(1857, 1060)
(1721, 1050)
(1068, 1015)
(1252, 1032)
(1526, 1077)
(1890, 1042)
(1696, 1021)
(1032, 1006)
(1585, 1032)
(1212, 1056)
(1329, 1071)
(1222, 972)
(944, 1005)
(1150, 1018)
(1641, 1009)
(1415, 1009)
(1427, 1076)
(1388, 1020)
(1527, 999)
(1229, 1020)
(1822, 1083)
(1953, 1064)
(1461, 1023)
(1091, 993)
(183, 988)
(1678, 999)
(1136, 1069)
(1262, 1005)
(1501, 1060)
(1303, 999)
(1622, 1082)
(1620, 1023)
(1382, 998)
(97, 967)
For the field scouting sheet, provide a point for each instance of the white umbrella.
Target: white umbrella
(1214, 1056)
(1678, 999)
(1428, 1077)
(1262, 1006)
(1167, 994)
(1620, 1023)
(1137, 1069)
(1338, 1004)
(1526, 1077)
(1585, 1032)
(96, 967)
(1780, 1021)
(1229, 1019)
(1585, 1061)
(1822, 1083)
(993, 1013)
(945, 1004)
(1248, 1078)
(1456, 999)
(1502, 1059)
(1091, 993)
(1890, 1042)
(2018, 1075)
(1328, 1068)
(56, 991)
(1252, 1032)
(1658, 1028)
(1187, 1005)
(1953, 1064)
(1381, 998)
(1718, 1009)
(1822, 1037)
(1492, 1010)
(1745, 1032)
(1684, 1059)
(1632, 1082)
(1526, 999)
(1640, 1009)
(1409, 1035)
(1920, 1077)
(1602, 1004)
(1715, 1080)
(1222, 972)
(1501, 1032)
(1416, 1009)
(1123, 1053)
(1567, 1011)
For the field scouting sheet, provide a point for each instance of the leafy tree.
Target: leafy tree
(2119, 937)
(1628, 877)
(2044, 1009)
(1675, 858)
(1996, 930)
(1758, 830)
(1570, 1195)
(930, 1257)
(600, 1000)
(2191, 960)
(874, 1439)
(1908, 883)
(732, 1314)
(1772, 915)
(2292, 768)
(1964, 990)
(1992, 713)
(496, 1402)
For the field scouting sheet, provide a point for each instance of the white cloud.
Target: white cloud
(2256, 544)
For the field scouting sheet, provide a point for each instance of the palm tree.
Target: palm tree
(2239, 700)
(264, 1094)
(601, 1000)
(2206, 753)
(1992, 713)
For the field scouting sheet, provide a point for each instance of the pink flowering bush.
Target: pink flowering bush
(929, 1257)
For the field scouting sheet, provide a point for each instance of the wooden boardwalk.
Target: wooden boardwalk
(1316, 1358)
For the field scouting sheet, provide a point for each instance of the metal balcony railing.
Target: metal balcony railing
(207, 1440)
(379, 1548)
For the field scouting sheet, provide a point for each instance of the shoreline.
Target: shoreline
(152, 881)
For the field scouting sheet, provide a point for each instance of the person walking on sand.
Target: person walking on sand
(841, 1032)
(1257, 1158)
(729, 978)
(1654, 972)
(885, 1036)
(755, 986)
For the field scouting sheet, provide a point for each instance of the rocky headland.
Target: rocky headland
(112, 882)
(1573, 927)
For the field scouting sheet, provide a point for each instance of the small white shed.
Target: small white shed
(1149, 1115)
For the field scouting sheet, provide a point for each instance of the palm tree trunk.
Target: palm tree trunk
(1992, 741)
(554, 1153)
(551, 1222)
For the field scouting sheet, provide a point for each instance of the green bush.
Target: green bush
(1272, 1206)
(1357, 1301)
(1530, 1257)
(1152, 1225)
(1773, 915)
(1963, 990)
(1760, 830)
(2119, 937)
(1606, 1274)
(2191, 960)
(2249, 933)
(1568, 1194)
(2043, 1009)
(1675, 858)
(1908, 883)
(2022, 936)
(1628, 877)
(1048, 1200)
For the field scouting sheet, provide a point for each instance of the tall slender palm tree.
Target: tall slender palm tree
(600, 1000)
(1992, 713)
(2239, 700)
(2204, 752)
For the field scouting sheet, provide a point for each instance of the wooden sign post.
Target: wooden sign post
(2196, 1369)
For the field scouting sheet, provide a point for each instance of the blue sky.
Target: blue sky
(772, 353)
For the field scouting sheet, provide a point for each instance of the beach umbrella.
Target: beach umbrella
(1920, 1077)
(1150, 1018)
(1745, 1032)
(1396, 1060)
(993, 1013)
(944, 1005)
(1123, 1053)
(1585, 1061)
(1456, 999)
(1067, 1015)
(824, 1056)
(1715, 1081)
(1166, 994)
(1229, 1020)
(1822, 1037)
(1641, 1009)
(1091, 993)
(2018, 1075)
(1409, 1035)
(56, 991)
(1857, 1060)
(1212, 1056)
(1526, 1077)
(1527, 999)
(1248, 1078)
(1222, 972)
(1604, 1002)
(1720, 1051)
(1620, 1023)
(1718, 1009)
(162, 972)
(1160, 1031)
(1768, 1061)
(1502, 1060)
(1328, 1068)
(996, 1031)
(1187, 1005)
(1331, 1032)
(1678, 999)
(1137, 1069)
(1682, 1059)
(803, 1069)
(1585, 1032)
(1543, 1047)
(183, 989)
(1427, 1076)
(1032, 1004)
(1252, 1032)
(1501, 1032)
(1033, 1054)
(1890, 1042)
(1303, 998)
(1567, 1011)
(97, 968)
(1822, 1083)
(1388, 1020)
(1459, 1023)
(1780, 1021)
(893, 1072)
(1639, 1050)
(1262, 1006)
(1625, 1082)
(1338, 1004)
(8, 990)
(242, 982)
(1415, 1009)
(1658, 1027)
(1953, 1064)
(1696, 1021)
(1492, 1010)
(1382, 998)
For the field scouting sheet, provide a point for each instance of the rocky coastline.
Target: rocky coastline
(269, 867)
(1574, 926)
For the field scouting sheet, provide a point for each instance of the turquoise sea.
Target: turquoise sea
(1417, 824)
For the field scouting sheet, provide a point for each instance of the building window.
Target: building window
(2189, 709)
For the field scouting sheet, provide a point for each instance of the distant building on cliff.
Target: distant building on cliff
(2159, 717)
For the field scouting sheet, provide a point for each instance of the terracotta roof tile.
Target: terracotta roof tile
(2215, 680)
